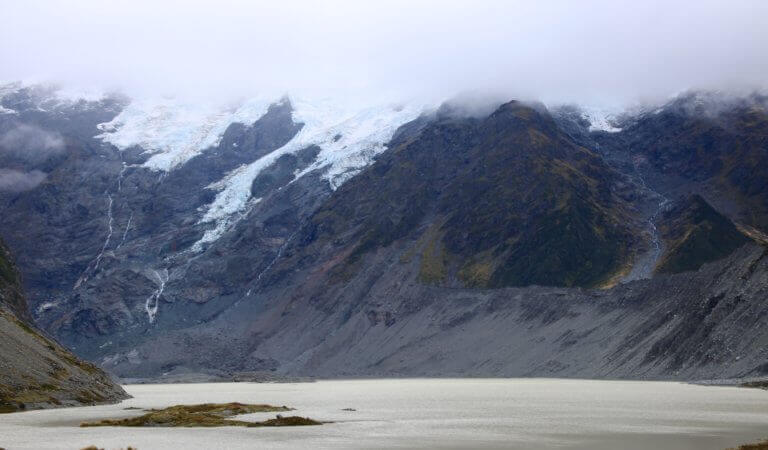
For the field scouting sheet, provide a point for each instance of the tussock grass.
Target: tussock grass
(757, 446)
(93, 447)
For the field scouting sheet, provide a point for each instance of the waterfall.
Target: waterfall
(153, 301)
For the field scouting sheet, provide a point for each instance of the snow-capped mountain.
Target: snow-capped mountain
(169, 178)
(157, 234)
(171, 132)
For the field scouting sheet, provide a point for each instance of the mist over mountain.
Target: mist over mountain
(596, 52)
(337, 189)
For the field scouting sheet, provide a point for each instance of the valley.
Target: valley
(400, 225)
(304, 238)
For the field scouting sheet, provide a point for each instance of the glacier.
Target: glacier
(349, 138)
(173, 131)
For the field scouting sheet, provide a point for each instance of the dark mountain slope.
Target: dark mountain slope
(710, 144)
(503, 201)
(102, 237)
(12, 293)
(695, 234)
(35, 371)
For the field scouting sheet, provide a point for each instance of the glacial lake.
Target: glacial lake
(425, 413)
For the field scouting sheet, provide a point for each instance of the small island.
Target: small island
(763, 445)
(205, 415)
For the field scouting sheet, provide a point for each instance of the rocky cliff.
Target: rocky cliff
(35, 371)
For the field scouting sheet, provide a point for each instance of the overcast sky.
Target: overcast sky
(595, 51)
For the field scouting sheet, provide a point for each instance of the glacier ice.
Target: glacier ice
(349, 138)
(600, 119)
(173, 131)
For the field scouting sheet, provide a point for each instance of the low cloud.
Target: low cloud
(31, 144)
(18, 181)
(602, 51)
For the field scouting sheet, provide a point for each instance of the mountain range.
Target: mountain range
(316, 237)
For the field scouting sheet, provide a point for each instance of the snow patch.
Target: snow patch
(51, 97)
(46, 306)
(73, 95)
(173, 131)
(600, 120)
(7, 89)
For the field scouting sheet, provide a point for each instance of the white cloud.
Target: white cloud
(17, 181)
(557, 50)
(30, 143)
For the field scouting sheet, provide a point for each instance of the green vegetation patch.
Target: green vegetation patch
(93, 447)
(7, 270)
(476, 274)
(205, 415)
(761, 384)
(573, 245)
(14, 398)
(757, 446)
(433, 260)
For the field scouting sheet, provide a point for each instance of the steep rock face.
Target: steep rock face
(707, 144)
(12, 294)
(695, 234)
(712, 145)
(35, 371)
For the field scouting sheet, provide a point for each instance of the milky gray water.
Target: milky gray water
(426, 413)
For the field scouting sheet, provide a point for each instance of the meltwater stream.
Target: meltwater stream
(645, 264)
(425, 413)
